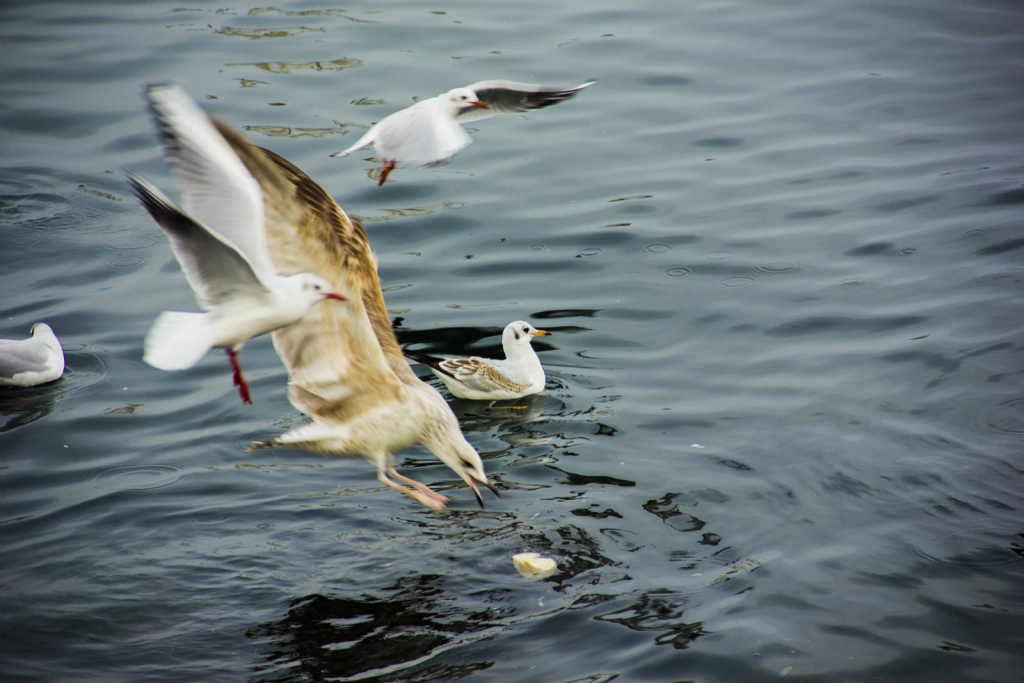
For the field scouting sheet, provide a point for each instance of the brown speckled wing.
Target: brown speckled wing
(477, 373)
(342, 357)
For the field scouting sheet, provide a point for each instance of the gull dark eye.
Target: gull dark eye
(464, 97)
(316, 287)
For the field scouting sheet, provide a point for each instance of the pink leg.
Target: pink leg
(243, 386)
(420, 493)
(389, 166)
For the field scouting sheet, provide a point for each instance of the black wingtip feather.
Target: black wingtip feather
(172, 146)
(166, 214)
(432, 362)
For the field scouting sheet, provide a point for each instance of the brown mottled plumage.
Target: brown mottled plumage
(345, 367)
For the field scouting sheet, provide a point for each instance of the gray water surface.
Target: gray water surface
(778, 246)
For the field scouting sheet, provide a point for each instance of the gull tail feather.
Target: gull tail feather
(177, 340)
(365, 141)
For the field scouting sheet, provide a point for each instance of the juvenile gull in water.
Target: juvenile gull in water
(429, 132)
(482, 379)
(345, 367)
(222, 251)
(28, 362)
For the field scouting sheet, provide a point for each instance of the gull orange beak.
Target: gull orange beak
(335, 296)
(541, 333)
(482, 105)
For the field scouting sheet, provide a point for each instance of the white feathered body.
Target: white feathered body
(483, 379)
(524, 376)
(28, 362)
(177, 340)
(425, 134)
(388, 428)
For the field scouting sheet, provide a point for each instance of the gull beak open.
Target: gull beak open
(335, 296)
(476, 492)
(478, 103)
(541, 333)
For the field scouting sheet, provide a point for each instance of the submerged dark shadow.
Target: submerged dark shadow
(661, 612)
(26, 405)
(386, 637)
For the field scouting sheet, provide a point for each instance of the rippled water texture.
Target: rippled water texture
(779, 248)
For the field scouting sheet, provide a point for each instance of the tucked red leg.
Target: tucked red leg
(243, 386)
(389, 166)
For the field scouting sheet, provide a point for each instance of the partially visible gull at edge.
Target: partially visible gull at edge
(220, 243)
(345, 367)
(429, 132)
(28, 362)
(483, 379)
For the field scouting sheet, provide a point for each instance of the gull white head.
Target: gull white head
(310, 288)
(457, 99)
(517, 337)
(44, 333)
(453, 450)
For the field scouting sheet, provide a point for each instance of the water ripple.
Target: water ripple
(140, 478)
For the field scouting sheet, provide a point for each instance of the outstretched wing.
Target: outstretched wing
(342, 360)
(217, 190)
(213, 267)
(506, 97)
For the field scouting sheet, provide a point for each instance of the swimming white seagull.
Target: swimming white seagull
(429, 132)
(222, 249)
(483, 379)
(28, 362)
(344, 364)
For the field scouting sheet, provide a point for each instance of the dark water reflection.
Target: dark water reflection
(385, 637)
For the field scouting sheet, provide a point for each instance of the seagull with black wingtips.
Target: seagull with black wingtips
(430, 133)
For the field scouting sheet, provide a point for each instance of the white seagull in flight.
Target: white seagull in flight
(429, 132)
(220, 242)
(483, 379)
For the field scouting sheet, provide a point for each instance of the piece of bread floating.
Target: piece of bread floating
(533, 566)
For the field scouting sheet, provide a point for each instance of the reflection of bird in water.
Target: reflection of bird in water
(429, 132)
(223, 251)
(510, 416)
(519, 374)
(28, 362)
(344, 364)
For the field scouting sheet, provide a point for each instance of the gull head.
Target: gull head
(311, 288)
(44, 333)
(42, 329)
(467, 463)
(457, 99)
(518, 335)
(453, 450)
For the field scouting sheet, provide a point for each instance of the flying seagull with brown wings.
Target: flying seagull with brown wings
(345, 367)
(219, 241)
